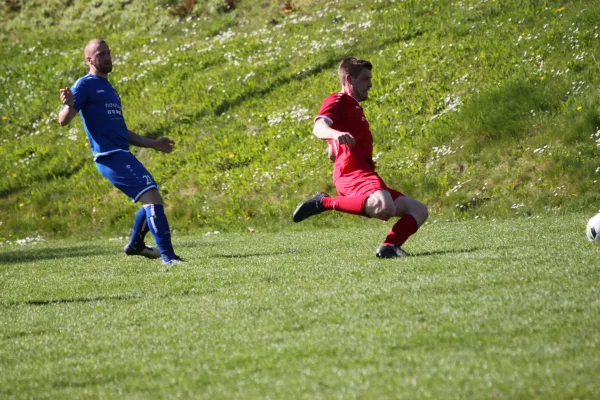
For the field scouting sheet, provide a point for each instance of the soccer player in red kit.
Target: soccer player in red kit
(361, 191)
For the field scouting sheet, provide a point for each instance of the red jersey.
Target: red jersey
(346, 115)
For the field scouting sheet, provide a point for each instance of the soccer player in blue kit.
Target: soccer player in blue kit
(97, 101)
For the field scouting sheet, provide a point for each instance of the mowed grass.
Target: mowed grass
(485, 309)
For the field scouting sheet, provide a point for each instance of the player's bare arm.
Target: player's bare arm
(69, 112)
(322, 130)
(163, 144)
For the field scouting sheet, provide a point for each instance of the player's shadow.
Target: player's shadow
(81, 300)
(33, 253)
(114, 297)
(450, 251)
(263, 254)
(193, 244)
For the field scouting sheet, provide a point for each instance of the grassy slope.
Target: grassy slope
(508, 313)
(238, 90)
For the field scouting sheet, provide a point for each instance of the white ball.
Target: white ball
(592, 230)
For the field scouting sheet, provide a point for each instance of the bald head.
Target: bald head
(97, 56)
(91, 46)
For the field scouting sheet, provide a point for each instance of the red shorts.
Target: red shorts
(362, 183)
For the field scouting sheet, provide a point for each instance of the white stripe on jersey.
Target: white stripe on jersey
(328, 120)
(109, 152)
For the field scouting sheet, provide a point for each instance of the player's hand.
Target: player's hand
(346, 138)
(66, 97)
(164, 144)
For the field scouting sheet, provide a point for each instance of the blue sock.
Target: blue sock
(159, 226)
(140, 228)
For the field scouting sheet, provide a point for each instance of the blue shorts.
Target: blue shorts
(125, 171)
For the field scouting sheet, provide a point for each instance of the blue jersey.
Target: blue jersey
(100, 107)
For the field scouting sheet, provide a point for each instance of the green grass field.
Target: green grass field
(488, 111)
(505, 309)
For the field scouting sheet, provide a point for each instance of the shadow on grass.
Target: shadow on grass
(72, 300)
(265, 254)
(450, 251)
(330, 63)
(194, 244)
(114, 297)
(79, 300)
(32, 254)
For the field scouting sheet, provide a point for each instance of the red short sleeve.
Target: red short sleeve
(332, 109)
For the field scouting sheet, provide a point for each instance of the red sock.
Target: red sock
(349, 204)
(402, 230)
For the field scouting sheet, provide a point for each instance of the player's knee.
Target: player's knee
(425, 213)
(390, 210)
(385, 210)
(373, 206)
(152, 196)
(380, 205)
(422, 213)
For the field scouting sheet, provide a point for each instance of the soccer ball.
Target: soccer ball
(592, 230)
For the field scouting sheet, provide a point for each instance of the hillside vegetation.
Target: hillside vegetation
(478, 107)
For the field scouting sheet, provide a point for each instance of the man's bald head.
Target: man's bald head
(97, 55)
(91, 46)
